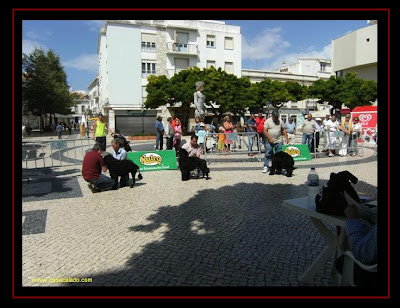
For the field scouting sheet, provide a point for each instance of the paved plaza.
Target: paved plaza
(230, 230)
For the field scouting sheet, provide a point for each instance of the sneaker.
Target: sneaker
(265, 169)
(93, 188)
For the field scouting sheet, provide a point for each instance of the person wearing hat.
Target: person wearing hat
(100, 131)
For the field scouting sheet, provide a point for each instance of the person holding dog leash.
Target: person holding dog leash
(100, 131)
(274, 130)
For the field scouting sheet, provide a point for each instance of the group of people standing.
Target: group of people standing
(172, 131)
(345, 134)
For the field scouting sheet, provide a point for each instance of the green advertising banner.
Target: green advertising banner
(154, 160)
(297, 151)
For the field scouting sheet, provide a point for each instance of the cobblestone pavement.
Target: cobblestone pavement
(228, 231)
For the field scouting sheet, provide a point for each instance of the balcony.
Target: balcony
(182, 49)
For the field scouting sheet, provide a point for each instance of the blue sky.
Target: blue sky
(265, 43)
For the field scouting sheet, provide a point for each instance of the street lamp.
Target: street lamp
(142, 116)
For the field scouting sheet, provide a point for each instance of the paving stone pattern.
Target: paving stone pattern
(228, 231)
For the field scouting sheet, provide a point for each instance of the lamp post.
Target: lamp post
(142, 116)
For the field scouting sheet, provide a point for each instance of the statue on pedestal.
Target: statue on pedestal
(199, 99)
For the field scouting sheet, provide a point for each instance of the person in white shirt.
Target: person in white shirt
(332, 126)
(324, 130)
(355, 134)
(120, 154)
(169, 133)
(192, 147)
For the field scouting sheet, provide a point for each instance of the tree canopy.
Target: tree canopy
(234, 94)
(347, 90)
(44, 88)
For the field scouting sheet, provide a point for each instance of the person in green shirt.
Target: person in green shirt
(100, 131)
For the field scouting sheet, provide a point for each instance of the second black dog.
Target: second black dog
(187, 164)
(282, 160)
(121, 167)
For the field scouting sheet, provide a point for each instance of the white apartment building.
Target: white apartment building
(305, 71)
(130, 50)
(320, 68)
(94, 104)
(357, 52)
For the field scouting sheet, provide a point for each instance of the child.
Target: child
(177, 136)
(221, 140)
(201, 134)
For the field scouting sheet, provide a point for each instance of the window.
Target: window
(148, 42)
(322, 67)
(148, 69)
(182, 41)
(210, 63)
(228, 42)
(148, 47)
(211, 41)
(181, 64)
(229, 67)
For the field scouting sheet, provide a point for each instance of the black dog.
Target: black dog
(187, 164)
(121, 167)
(282, 160)
(332, 200)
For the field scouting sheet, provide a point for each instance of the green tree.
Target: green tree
(223, 89)
(358, 92)
(276, 93)
(45, 88)
(157, 91)
(296, 90)
(348, 90)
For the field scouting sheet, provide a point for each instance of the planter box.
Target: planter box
(141, 137)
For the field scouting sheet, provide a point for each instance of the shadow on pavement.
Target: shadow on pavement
(234, 236)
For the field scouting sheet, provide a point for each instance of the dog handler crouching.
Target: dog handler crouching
(92, 167)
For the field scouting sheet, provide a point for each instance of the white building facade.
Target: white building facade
(357, 52)
(131, 50)
(316, 67)
(305, 72)
(94, 91)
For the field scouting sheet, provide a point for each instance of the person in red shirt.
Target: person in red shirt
(260, 127)
(92, 167)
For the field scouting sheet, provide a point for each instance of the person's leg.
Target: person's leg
(124, 181)
(102, 141)
(310, 142)
(105, 183)
(268, 149)
(161, 141)
(157, 140)
(304, 139)
(251, 138)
